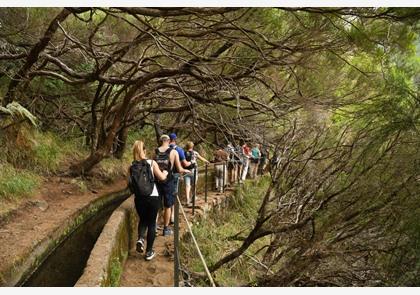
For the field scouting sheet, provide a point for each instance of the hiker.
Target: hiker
(191, 156)
(232, 163)
(246, 151)
(220, 158)
(254, 160)
(184, 163)
(147, 201)
(263, 159)
(239, 154)
(167, 158)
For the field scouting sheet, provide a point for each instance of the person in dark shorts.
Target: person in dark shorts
(147, 207)
(167, 158)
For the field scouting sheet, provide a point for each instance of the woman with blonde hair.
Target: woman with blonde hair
(147, 200)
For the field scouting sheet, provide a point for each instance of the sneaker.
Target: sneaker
(140, 245)
(149, 255)
(167, 232)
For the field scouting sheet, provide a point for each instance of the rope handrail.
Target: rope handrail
(196, 244)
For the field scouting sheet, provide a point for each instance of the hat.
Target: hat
(164, 137)
(172, 136)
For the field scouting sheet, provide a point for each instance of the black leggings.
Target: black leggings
(147, 209)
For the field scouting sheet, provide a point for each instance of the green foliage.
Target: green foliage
(47, 153)
(116, 270)
(213, 233)
(111, 168)
(15, 184)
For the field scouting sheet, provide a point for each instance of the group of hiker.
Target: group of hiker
(154, 181)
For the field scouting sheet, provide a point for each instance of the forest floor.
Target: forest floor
(159, 272)
(36, 218)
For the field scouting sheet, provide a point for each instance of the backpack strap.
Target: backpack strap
(169, 150)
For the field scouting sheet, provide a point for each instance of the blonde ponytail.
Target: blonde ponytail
(139, 151)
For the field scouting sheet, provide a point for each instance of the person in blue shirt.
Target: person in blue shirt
(183, 161)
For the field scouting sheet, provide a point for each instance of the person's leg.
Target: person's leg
(245, 170)
(195, 185)
(153, 209)
(260, 168)
(141, 229)
(169, 201)
(240, 168)
(167, 216)
(226, 176)
(254, 172)
(220, 178)
(251, 170)
(142, 226)
(217, 174)
(187, 180)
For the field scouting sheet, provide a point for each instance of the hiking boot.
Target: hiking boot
(140, 245)
(167, 232)
(149, 255)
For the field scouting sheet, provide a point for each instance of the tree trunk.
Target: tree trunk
(121, 142)
(254, 235)
(158, 130)
(33, 55)
(104, 150)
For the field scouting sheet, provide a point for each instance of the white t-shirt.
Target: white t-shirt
(155, 191)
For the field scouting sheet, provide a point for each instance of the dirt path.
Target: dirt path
(159, 272)
(39, 217)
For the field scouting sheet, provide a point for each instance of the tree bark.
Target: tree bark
(105, 149)
(158, 129)
(33, 55)
(121, 142)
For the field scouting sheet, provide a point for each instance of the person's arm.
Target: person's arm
(174, 158)
(159, 174)
(202, 159)
(181, 156)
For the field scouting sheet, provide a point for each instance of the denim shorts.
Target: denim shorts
(166, 192)
(188, 178)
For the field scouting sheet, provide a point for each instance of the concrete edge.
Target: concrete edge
(23, 267)
(108, 256)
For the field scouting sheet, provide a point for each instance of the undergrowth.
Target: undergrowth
(15, 183)
(214, 236)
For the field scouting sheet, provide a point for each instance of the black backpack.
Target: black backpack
(163, 161)
(189, 156)
(141, 181)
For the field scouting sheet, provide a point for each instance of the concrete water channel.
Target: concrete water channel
(64, 266)
(96, 244)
